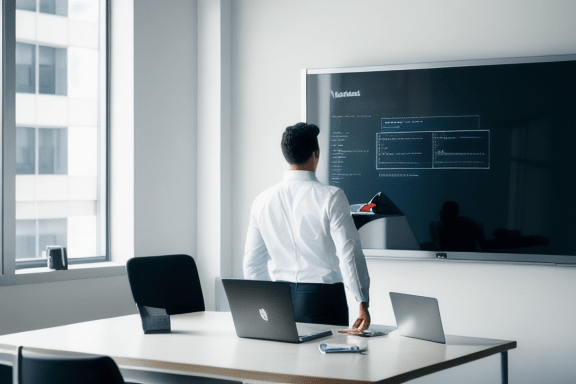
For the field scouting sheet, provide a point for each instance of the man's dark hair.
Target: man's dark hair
(299, 141)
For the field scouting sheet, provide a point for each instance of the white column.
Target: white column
(122, 131)
(214, 148)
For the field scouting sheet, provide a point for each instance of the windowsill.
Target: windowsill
(74, 272)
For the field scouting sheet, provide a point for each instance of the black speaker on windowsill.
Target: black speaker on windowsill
(57, 257)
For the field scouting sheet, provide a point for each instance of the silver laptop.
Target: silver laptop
(263, 310)
(418, 317)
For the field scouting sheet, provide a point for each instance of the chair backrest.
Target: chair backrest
(170, 282)
(7, 357)
(37, 368)
(5, 373)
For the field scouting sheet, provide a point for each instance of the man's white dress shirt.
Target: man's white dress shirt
(301, 231)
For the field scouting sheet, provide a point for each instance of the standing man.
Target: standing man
(301, 231)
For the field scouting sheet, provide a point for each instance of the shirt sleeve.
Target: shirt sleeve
(256, 256)
(348, 248)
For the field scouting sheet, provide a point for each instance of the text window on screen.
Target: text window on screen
(452, 142)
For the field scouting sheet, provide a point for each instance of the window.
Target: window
(60, 124)
(52, 73)
(25, 68)
(26, 5)
(55, 7)
(25, 151)
(52, 151)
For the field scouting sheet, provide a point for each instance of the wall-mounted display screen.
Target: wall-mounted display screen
(479, 156)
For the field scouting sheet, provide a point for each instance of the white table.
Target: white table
(205, 344)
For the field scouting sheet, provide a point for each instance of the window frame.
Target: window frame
(14, 272)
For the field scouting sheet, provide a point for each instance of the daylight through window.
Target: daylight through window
(61, 129)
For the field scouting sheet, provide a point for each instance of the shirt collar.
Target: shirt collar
(299, 175)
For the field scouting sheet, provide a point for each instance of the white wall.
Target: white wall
(164, 127)
(273, 40)
(213, 147)
(35, 306)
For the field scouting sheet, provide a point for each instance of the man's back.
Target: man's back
(294, 221)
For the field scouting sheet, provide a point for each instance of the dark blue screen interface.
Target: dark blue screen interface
(487, 148)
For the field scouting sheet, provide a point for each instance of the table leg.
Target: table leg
(504, 360)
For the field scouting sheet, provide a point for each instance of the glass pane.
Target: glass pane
(61, 137)
(26, 5)
(33, 236)
(52, 71)
(25, 68)
(51, 232)
(52, 151)
(55, 7)
(26, 239)
(25, 151)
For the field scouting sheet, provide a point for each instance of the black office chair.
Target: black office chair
(38, 368)
(7, 357)
(5, 373)
(170, 282)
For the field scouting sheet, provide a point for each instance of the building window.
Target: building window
(52, 70)
(60, 141)
(26, 5)
(25, 151)
(51, 152)
(25, 68)
(54, 7)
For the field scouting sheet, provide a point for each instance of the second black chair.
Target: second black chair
(170, 282)
(5, 373)
(36, 368)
